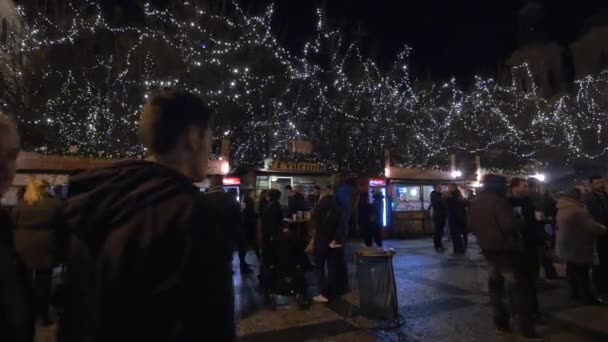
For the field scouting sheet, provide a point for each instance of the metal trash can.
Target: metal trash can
(375, 279)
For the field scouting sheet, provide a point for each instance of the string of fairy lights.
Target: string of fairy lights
(77, 86)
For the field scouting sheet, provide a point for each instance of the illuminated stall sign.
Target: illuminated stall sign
(232, 181)
(296, 166)
(377, 182)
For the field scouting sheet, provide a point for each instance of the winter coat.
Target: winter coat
(533, 230)
(229, 214)
(597, 203)
(39, 232)
(296, 203)
(456, 210)
(272, 219)
(577, 232)
(146, 259)
(327, 219)
(492, 221)
(368, 216)
(438, 205)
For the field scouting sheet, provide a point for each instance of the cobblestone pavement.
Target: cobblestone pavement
(441, 297)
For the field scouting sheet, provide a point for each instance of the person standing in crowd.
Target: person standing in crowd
(457, 218)
(368, 221)
(541, 204)
(498, 233)
(39, 238)
(262, 201)
(297, 201)
(575, 242)
(229, 211)
(271, 224)
(16, 314)
(439, 212)
(285, 196)
(597, 202)
(148, 260)
(532, 234)
(250, 223)
(313, 197)
(378, 203)
(327, 220)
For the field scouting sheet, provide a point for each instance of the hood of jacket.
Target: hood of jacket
(102, 199)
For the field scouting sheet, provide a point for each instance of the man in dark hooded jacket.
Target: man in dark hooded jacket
(146, 260)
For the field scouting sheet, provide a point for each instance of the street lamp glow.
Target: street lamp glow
(541, 177)
(456, 174)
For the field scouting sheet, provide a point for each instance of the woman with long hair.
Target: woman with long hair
(37, 240)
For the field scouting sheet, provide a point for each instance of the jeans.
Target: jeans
(456, 232)
(371, 233)
(41, 286)
(331, 270)
(578, 279)
(321, 253)
(508, 280)
(439, 224)
(532, 261)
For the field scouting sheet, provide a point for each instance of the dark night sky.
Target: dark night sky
(450, 37)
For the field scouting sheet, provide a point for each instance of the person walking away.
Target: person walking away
(250, 223)
(368, 221)
(597, 202)
(38, 237)
(575, 243)
(313, 197)
(533, 237)
(439, 212)
(229, 211)
(327, 220)
(457, 218)
(148, 259)
(498, 233)
(16, 314)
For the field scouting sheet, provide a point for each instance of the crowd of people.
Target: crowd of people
(515, 223)
(142, 254)
(145, 255)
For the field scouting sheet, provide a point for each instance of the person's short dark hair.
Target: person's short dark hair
(592, 178)
(167, 116)
(495, 183)
(516, 182)
(274, 195)
(288, 187)
(316, 187)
